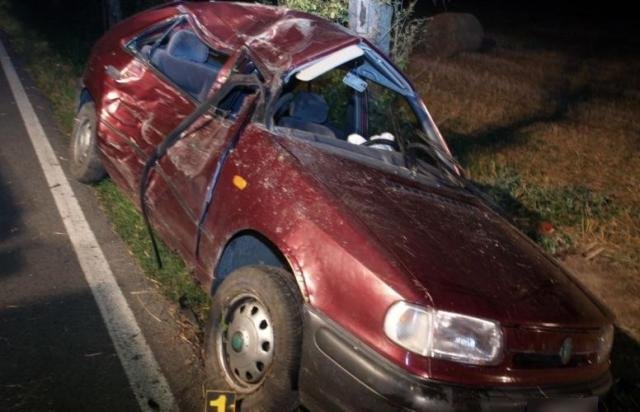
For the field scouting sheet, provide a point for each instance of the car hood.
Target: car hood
(469, 259)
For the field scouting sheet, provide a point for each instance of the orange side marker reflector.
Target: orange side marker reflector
(239, 182)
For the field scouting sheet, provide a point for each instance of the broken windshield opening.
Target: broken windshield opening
(363, 105)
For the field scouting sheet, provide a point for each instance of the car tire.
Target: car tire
(253, 339)
(86, 166)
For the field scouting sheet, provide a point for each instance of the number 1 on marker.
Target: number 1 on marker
(220, 403)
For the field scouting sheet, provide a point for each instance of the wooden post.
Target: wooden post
(372, 20)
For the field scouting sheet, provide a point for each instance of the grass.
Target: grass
(173, 277)
(55, 70)
(546, 124)
(55, 75)
(546, 213)
(552, 132)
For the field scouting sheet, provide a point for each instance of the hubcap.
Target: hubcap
(247, 343)
(82, 142)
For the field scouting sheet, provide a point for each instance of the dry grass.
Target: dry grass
(552, 132)
(558, 120)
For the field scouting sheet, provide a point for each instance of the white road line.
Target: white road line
(144, 374)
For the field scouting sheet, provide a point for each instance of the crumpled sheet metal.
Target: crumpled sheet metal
(280, 38)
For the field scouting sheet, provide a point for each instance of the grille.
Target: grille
(544, 361)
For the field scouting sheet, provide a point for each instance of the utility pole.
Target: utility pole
(112, 12)
(372, 20)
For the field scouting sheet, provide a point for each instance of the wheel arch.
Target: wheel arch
(251, 248)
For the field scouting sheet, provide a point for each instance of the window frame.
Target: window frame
(394, 80)
(132, 47)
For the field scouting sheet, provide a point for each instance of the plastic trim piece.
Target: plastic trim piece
(329, 62)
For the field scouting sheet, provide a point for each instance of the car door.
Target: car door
(159, 85)
(184, 180)
(139, 107)
(144, 104)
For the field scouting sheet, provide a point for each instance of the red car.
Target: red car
(299, 174)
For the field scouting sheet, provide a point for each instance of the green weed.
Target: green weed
(529, 204)
(174, 278)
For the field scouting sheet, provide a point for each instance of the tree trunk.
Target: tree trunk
(372, 20)
(112, 12)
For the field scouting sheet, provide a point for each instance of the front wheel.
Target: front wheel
(254, 337)
(86, 166)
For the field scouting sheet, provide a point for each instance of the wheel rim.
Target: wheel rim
(246, 344)
(82, 141)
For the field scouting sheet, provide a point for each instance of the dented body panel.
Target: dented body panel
(357, 237)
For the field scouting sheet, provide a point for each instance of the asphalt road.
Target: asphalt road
(55, 350)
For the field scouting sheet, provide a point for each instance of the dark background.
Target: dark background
(612, 25)
(598, 27)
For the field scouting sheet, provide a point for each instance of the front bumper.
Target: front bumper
(339, 372)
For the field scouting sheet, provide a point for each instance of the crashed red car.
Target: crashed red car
(299, 174)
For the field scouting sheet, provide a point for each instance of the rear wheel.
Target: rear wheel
(86, 166)
(254, 337)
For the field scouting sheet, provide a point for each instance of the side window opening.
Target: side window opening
(328, 101)
(178, 53)
(389, 112)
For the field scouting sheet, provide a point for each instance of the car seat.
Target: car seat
(308, 112)
(185, 62)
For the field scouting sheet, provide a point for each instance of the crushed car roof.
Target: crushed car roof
(281, 38)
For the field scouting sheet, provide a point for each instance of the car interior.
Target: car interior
(358, 104)
(328, 111)
(187, 61)
(308, 111)
(193, 66)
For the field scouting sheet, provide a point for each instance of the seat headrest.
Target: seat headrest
(184, 44)
(309, 107)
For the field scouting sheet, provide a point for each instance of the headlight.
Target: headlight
(444, 335)
(605, 342)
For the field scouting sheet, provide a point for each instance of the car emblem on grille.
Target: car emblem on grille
(565, 351)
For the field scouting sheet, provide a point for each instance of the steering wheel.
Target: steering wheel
(391, 143)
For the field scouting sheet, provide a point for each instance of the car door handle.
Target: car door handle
(113, 72)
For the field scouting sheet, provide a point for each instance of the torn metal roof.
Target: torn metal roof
(281, 38)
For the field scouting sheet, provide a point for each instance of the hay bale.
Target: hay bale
(448, 34)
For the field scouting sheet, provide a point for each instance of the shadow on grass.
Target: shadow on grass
(560, 96)
(501, 200)
(498, 195)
